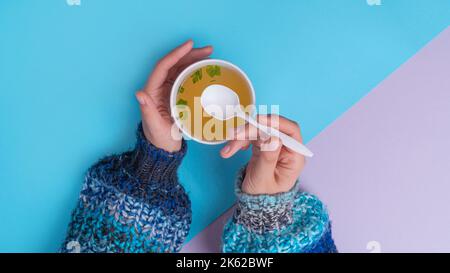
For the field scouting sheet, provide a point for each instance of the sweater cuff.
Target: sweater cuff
(264, 212)
(151, 164)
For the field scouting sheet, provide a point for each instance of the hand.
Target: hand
(273, 168)
(157, 122)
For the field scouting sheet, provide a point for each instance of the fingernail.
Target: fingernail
(140, 99)
(264, 136)
(270, 146)
(226, 149)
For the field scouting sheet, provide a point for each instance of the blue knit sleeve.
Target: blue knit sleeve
(289, 222)
(131, 203)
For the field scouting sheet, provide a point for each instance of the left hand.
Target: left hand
(157, 122)
(273, 168)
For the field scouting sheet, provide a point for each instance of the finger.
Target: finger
(269, 148)
(163, 66)
(241, 138)
(283, 124)
(235, 143)
(233, 147)
(247, 132)
(265, 155)
(266, 149)
(195, 55)
(287, 126)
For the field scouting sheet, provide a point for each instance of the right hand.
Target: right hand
(157, 122)
(273, 168)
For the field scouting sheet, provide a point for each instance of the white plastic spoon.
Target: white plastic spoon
(223, 103)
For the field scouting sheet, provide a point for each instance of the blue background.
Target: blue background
(68, 76)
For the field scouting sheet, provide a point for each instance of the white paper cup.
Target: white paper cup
(186, 73)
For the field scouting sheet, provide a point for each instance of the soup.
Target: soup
(190, 114)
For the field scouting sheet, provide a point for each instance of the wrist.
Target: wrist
(255, 183)
(151, 164)
(263, 212)
(170, 144)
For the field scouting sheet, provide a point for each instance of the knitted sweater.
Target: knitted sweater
(133, 202)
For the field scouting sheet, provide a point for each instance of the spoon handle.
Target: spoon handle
(287, 141)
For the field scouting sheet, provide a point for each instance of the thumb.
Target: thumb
(260, 177)
(148, 108)
(151, 119)
(266, 153)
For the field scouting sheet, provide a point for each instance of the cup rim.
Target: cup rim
(186, 72)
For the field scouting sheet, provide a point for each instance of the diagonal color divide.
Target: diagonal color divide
(383, 167)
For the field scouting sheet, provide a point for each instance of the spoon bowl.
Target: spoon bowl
(219, 101)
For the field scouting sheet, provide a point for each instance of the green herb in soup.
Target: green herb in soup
(196, 76)
(182, 102)
(213, 70)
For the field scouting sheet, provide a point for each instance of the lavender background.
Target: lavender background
(383, 167)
